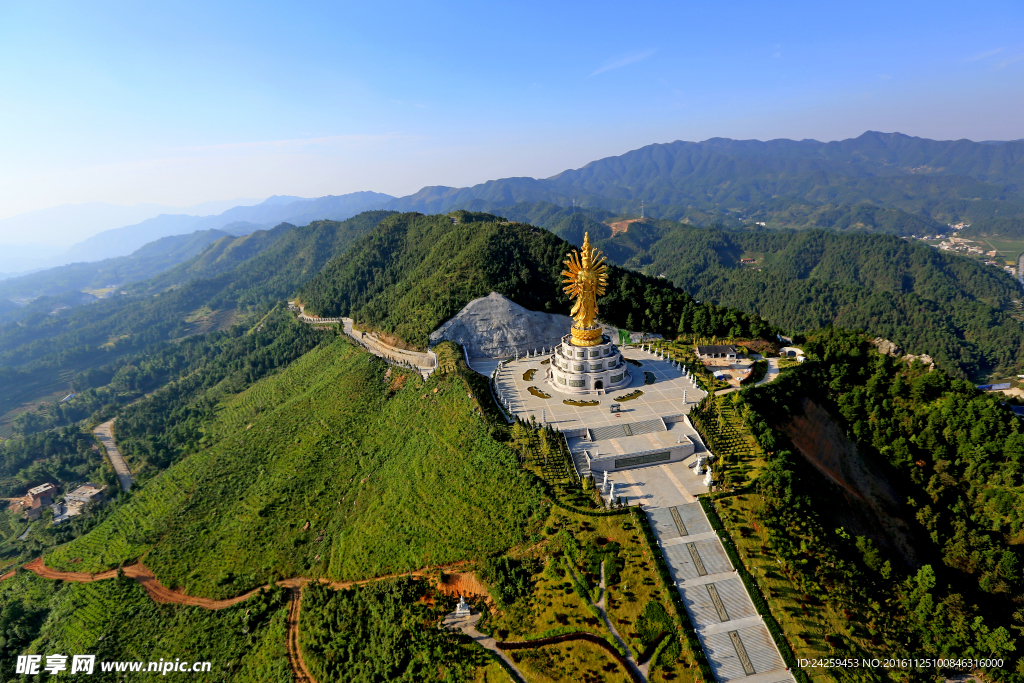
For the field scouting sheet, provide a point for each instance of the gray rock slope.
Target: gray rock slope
(493, 326)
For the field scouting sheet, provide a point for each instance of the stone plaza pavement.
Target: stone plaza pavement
(664, 398)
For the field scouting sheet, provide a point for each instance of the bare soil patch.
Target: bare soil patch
(622, 226)
(462, 583)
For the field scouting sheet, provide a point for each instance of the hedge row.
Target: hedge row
(760, 604)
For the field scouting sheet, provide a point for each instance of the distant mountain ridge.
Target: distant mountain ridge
(934, 181)
(277, 209)
(877, 182)
(141, 264)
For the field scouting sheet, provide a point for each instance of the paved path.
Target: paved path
(105, 434)
(770, 375)
(467, 624)
(424, 362)
(641, 668)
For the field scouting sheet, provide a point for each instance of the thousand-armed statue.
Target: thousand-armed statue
(585, 280)
(587, 361)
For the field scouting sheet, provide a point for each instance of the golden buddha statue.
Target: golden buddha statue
(585, 280)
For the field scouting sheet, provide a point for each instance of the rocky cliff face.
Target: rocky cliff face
(867, 504)
(494, 326)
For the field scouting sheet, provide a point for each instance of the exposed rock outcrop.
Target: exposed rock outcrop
(886, 347)
(497, 327)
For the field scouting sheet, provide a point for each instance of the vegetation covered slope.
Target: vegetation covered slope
(143, 263)
(338, 466)
(413, 272)
(42, 354)
(885, 182)
(957, 310)
(382, 632)
(219, 257)
(116, 620)
(895, 494)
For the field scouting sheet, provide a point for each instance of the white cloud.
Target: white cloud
(1010, 60)
(985, 55)
(623, 60)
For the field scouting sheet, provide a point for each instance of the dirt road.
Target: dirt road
(160, 593)
(145, 578)
(302, 674)
(105, 434)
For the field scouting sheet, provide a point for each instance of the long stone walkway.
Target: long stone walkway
(105, 434)
(735, 639)
(426, 363)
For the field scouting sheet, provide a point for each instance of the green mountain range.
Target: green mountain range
(884, 182)
(964, 314)
(266, 449)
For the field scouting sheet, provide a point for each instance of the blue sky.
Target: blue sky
(189, 102)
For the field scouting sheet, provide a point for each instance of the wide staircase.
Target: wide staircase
(615, 431)
(618, 431)
(735, 639)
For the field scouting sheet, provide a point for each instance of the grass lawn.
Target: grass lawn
(574, 661)
(575, 536)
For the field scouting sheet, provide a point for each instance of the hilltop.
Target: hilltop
(340, 467)
(413, 272)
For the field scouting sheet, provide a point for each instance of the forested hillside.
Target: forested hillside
(959, 311)
(144, 263)
(894, 496)
(42, 354)
(219, 257)
(339, 466)
(266, 448)
(414, 272)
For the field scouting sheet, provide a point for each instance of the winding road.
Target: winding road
(162, 594)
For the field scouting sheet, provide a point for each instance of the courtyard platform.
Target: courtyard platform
(663, 399)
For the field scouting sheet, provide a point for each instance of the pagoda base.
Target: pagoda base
(593, 369)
